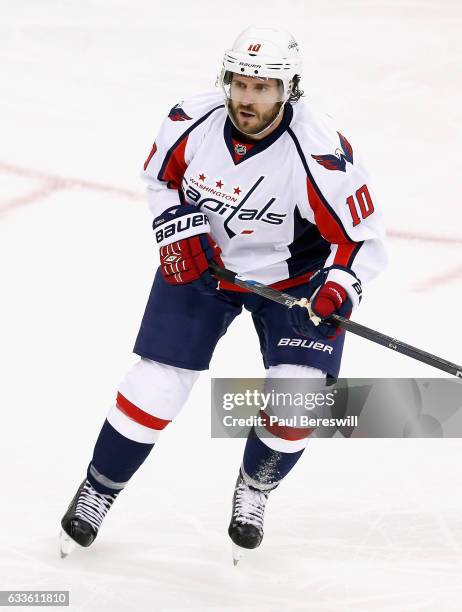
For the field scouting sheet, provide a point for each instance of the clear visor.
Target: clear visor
(245, 90)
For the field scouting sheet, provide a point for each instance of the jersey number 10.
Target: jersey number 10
(366, 206)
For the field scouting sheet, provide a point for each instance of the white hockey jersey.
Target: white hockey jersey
(279, 208)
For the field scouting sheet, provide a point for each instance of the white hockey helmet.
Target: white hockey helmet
(265, 53)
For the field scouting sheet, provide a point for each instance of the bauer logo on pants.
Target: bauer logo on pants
(306, 344)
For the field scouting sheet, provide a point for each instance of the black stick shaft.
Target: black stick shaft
(355, 328)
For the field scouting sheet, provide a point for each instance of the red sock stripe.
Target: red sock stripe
(283, 431)
(138, 415)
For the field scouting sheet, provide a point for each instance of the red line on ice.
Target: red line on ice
(400, 235)
(56, 182)
(438, 280)
(28, 198)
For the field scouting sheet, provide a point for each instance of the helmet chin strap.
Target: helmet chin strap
(230, 115)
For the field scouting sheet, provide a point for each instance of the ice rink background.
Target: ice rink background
(360, 524)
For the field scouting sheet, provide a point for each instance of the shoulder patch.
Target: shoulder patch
(341, 156)
(177, 113)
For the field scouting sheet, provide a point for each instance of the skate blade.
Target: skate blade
(238, 553)
(66, 544)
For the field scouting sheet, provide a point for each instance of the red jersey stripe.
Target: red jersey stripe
(329, 227)
(176, 166)
(343, 254)
(153, 150)
(280, 285)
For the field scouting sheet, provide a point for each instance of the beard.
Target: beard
(253, 121)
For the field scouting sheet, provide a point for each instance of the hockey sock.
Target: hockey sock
(264, 466)
(115, 460)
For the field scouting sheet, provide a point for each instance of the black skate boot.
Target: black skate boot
(84, 517)
(246, 526)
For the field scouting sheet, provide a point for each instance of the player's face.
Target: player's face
(254, 103)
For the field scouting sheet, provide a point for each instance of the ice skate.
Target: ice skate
(246, 526)
(83, 518)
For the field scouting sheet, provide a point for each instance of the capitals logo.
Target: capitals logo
(341, 157)
(231, 208)
(177, 114)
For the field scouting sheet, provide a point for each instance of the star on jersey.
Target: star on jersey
(341, 157)
(177, 114)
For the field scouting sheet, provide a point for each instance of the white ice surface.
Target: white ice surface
(359, 524)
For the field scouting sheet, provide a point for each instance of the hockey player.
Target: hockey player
(252, 177)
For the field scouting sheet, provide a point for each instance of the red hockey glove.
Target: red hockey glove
(186, 248)
(327, 298)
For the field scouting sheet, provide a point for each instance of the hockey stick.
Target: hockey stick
(355, 328)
